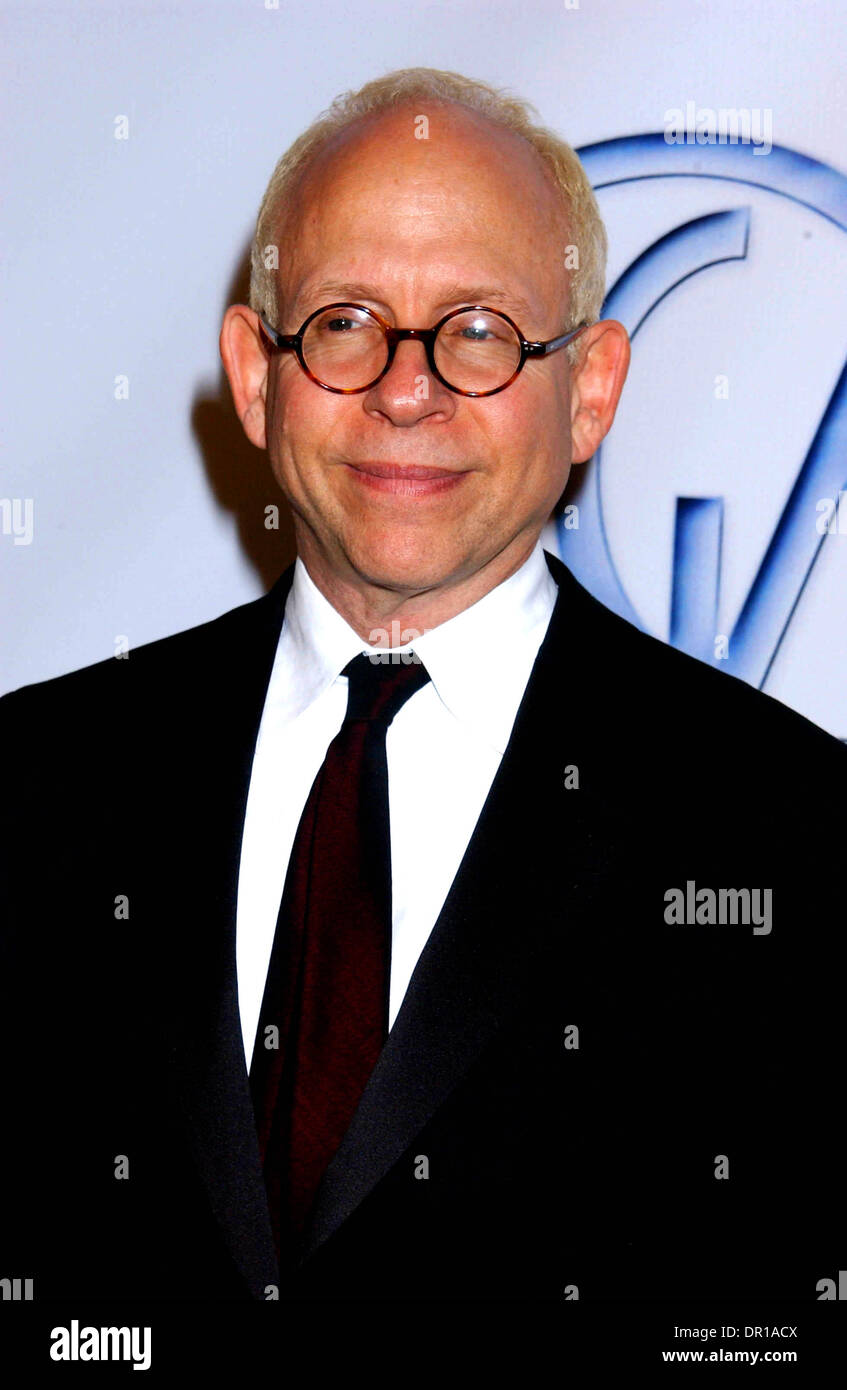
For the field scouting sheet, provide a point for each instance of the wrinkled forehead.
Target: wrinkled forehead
(396, 197)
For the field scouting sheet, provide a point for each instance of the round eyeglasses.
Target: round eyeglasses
(473, 351)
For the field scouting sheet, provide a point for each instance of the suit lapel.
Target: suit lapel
(227, 669)
(489, 943)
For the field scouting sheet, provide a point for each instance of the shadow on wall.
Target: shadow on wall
(239, 474)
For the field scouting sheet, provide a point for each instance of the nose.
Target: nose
(409, 392)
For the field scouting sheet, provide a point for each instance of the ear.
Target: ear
(246, 364)
(596, 383)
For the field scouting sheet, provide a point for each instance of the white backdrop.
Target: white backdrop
(121, 255)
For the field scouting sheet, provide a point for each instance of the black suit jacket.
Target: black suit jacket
(607, 1103)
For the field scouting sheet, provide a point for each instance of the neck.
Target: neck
(390, 616)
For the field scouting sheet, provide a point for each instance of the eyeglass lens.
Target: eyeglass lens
(474, 351)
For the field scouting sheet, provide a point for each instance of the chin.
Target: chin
(418, 566)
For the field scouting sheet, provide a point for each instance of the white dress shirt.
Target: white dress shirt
(443, 749)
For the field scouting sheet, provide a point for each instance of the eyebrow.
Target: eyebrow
(455, 295)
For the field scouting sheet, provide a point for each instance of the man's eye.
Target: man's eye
(340, 325)
(479, 332)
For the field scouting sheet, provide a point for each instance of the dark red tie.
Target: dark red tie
(324, 1015)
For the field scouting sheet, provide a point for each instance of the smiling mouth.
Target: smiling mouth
(401, 470)
(407, 480)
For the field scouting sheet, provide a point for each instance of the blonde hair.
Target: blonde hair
(585, 225)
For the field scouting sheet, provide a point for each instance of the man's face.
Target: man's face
(414, 228)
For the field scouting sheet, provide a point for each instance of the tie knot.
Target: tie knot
(379, 689)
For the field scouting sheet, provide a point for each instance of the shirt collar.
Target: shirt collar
(479, 661)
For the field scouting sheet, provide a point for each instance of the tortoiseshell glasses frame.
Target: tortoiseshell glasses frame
(293, 342)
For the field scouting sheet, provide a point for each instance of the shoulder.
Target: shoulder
(655, 692)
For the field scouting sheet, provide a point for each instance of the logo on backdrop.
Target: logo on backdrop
(686, 250)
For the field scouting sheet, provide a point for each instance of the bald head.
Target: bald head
(470, 183)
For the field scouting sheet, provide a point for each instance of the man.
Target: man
(503, 967)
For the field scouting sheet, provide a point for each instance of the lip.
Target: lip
(406, 479)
